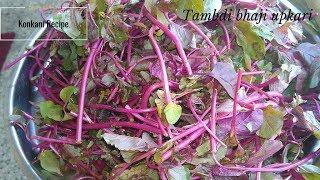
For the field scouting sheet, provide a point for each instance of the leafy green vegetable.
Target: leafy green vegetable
(158, 155)
(67, 92)
(50, 110)
(128, 155)
(172, 112)
(73, 150)
(310, 172)
(270, 176)
(272, 123)
(50, 162)
(69, 55)
(197, 6)
(179, 173)
(252, 44)
(140, 171)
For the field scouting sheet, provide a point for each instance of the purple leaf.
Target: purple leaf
(269, 148)
(226, 75)
(254, 118)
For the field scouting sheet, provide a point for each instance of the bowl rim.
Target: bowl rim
(16, 146)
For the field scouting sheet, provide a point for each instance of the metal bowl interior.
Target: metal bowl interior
(22, 92)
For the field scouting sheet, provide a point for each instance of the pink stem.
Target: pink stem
(83, 89)
(165, 79)
(174, 38)
(63, 141)
(143, 127)
(226, 34)
(213, 135)
(16, 60)
(205, 37)
(213, 121)
(149, 91)
(253, 73)
(119, 109)
(183, 143)
(235, 103)
(143, 119)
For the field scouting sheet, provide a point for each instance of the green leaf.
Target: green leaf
(128, 155)
(69, 56)
(149, 4)
(141, 171)
(172, 112)
(197, 6)
(252, 44)
(158, 154)
(310, 172)
(272, 123)
(50, 110)
(270, 176)
(74, 151)
(203, 148)
(179, 173)
(50, 162)
(67, 92)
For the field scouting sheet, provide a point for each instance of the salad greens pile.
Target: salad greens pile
(153, 95)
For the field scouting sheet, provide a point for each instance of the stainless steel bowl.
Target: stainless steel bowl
(21, 92)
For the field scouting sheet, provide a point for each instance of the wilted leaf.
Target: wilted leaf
(50, 162)
(269, 148)
(172, 112)
(272, 123)
(226, 75)
(179, 173)
(129, 143)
